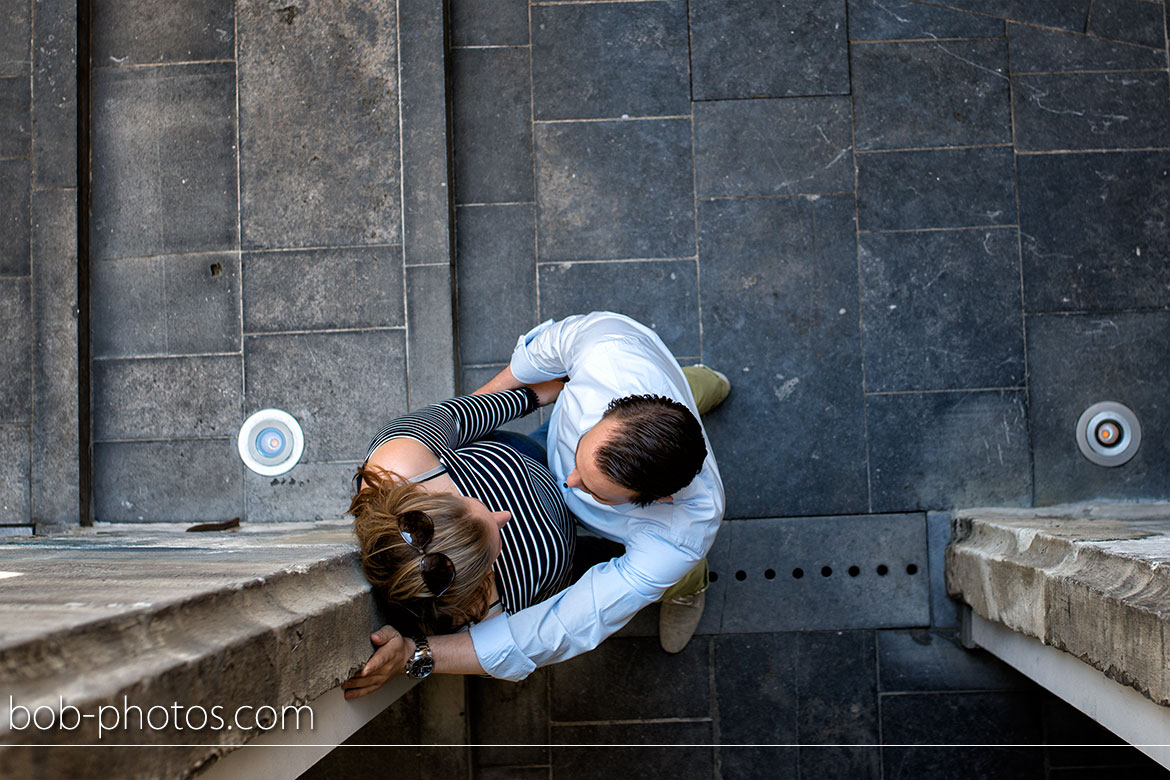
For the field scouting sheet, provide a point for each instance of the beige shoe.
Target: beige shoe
(708, 386)
(677, 620)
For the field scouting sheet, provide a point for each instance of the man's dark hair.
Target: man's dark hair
(655, 449)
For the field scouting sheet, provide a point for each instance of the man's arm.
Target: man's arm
(546, 392)
(453, 654)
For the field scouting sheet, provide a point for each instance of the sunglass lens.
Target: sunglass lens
(437, 572)
(417, 529)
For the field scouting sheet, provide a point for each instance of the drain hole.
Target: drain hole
(797, 574)
(713, 576)
(741, 575)
(912, 569)
(216, 269)
(826, 571)
(883, 570)
(854, 571)
(769, 574)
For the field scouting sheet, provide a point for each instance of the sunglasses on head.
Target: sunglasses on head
(438, 572)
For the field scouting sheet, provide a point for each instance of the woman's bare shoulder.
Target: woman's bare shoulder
(404, 456)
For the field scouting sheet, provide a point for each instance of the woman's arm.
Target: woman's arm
(453, 654)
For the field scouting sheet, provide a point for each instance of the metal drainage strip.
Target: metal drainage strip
(826, 571)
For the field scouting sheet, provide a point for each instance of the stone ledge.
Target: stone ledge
(274, 615)
(1092, 580)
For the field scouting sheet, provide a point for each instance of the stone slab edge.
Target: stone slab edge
(1093, 581)
(279, 639)
(427, 211)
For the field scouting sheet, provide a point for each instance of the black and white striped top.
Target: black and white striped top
(536, 554)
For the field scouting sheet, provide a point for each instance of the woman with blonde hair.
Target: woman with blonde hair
(456, 522)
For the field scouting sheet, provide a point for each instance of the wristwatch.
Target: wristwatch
(422, 663)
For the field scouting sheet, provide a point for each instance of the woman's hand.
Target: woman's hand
(387, 662)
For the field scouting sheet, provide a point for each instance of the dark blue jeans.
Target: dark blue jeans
(525, 445)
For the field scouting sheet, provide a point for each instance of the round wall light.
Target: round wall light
(1108, 433)
(270, 442)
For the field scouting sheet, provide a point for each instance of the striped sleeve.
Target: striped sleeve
(455, 422)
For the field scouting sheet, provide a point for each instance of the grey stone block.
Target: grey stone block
(773, 147)
(1063, 14)
(341, 387)
(952, 93)
(15, 342)
(936, 189)
(615, 190)
(14, 217)
(430, 334)
(654, 684)
(822, 573)
(15, 117)
(1034, 49)
(754, 48)
(492, 115)
(489, 22)
(655, 750)
(1128, 353)
(15, 23)
(164, 398)
(877, 20)
(941, 310)
(779, 285)
(311, 491)
(55, 484)
(967, 448)
(1083, 111)
(164, 160)
(182, 304)
(137, 32)
(323, 289)
(426, 170)
(505, 714)
(610, 60)
(661, 294)
(1132, 21)
(922, 660)
(319, 119)
(944, 611)
(1093, 238)
(755, 689)
(192, 481)
(759, 763)
(836, 674)
(496, 251)
(962, 719)
(15, 459)
(54, 121)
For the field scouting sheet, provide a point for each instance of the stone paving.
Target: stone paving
(892, 224)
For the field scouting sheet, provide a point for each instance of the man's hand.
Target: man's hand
(387, 662)
(547, 392)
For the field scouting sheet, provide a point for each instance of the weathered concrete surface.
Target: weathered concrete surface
(153, 616)
(1091, 580)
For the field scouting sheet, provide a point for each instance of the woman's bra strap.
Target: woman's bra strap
(430, 474)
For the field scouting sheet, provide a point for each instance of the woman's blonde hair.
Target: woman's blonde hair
(392, 566)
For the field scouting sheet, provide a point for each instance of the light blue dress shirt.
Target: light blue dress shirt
(605, 356)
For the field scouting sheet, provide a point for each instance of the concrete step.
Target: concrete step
(1092, 580)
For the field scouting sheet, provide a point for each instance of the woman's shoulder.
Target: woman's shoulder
(404, 456)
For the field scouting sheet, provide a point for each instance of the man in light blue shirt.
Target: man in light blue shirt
(665, 518)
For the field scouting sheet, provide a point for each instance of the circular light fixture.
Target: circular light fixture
(270, 442)
(1108, 433)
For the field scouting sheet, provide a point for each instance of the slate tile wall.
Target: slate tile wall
(38, 266)
(248, 236)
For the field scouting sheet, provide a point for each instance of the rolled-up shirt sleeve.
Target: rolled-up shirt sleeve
(580, 617)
